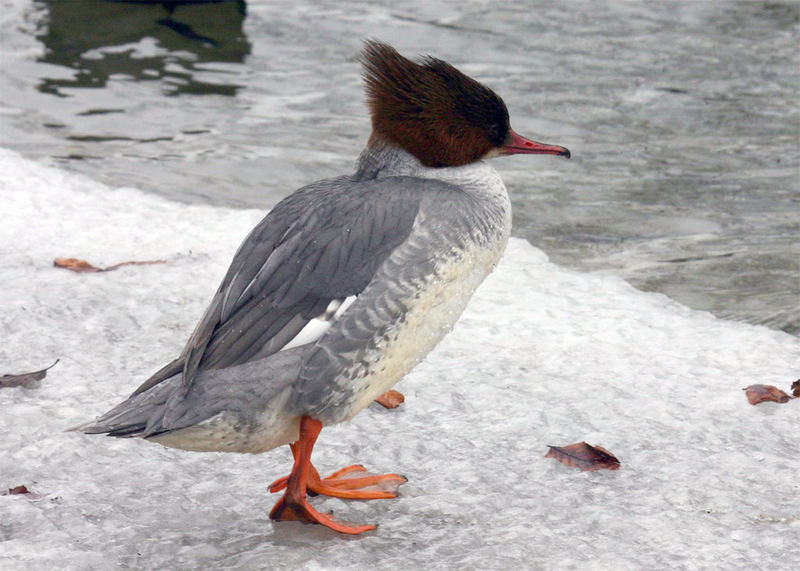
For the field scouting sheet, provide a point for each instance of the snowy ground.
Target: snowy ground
(542, 356)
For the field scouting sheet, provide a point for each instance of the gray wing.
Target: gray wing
(320, 244)
(449, 223)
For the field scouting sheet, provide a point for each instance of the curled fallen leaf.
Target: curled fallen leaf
(24, 379)
(390, 399)
(584, 456)
(75, 265)
(763, 393)
(796, 388)
(23, 491)
(82, 266)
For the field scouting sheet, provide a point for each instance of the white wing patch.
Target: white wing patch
(315, 328)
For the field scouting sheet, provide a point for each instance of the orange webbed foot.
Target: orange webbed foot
(303, 512)
(391, 399)
(345, 483)
(348, 483)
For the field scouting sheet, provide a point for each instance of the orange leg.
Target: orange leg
(305, 478)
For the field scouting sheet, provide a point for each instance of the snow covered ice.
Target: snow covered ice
(542, 356)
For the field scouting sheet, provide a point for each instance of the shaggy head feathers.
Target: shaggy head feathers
(431, 109)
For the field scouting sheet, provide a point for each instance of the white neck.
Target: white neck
(379, 162)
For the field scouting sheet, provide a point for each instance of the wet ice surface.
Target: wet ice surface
(543, 355)
(682, 118)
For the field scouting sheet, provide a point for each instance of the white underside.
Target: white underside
(432, 316)
(224, 432)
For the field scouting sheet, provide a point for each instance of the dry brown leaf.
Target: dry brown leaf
(24, 379)
(584, 456)
(391, 399)
(75, 265)
(763, 393)
(796, 388)
(23, 491)
(82, 266)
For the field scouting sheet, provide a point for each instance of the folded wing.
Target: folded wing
(316, 249)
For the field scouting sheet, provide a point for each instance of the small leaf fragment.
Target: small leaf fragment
(391, 399)
(796, 388)
(584, 456)
(23, 491)
(82, 266)
(763, 393)
(24, 379)
(75, 265)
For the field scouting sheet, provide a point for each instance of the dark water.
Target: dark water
(682, 117)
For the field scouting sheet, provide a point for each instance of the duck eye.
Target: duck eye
(494, 132)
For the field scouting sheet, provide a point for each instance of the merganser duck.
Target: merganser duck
(344, 286)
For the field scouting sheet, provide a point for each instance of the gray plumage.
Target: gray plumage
(320, 244)
(394, 235)
(239, 391)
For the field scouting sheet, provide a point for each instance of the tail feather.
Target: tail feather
(243, 392)
(131, 417)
